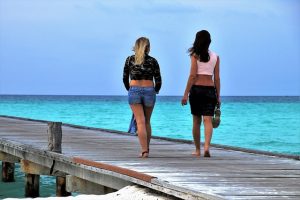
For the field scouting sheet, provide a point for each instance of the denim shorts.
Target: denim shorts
(142, 95)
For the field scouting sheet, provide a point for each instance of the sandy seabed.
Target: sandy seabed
(126, 193)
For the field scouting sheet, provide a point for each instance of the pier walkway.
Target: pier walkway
(110, 158)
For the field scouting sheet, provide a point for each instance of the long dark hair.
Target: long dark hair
(201, 45)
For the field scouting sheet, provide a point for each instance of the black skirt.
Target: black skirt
(203, 100)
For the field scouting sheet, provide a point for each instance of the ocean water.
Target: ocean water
(262, 123)
(17, 189)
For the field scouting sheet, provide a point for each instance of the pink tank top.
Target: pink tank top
(208, 67)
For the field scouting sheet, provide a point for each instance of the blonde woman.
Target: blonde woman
(142, 79)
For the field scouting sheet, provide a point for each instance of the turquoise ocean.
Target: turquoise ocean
(260, 123)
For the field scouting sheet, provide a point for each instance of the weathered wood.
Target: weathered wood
(228, 174)
(61, 187)
(54, 144)
(54, 136)
(34, 168)
(32, 186)
(5, 157)
(75, 184)
(8, 172)
(108, 190)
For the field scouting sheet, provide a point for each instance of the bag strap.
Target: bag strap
(218, 105)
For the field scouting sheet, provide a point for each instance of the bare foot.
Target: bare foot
(196, 153)
(144, 154)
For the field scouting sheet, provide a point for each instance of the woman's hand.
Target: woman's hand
(219, 101)
(184, 100)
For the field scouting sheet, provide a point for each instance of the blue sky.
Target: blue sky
(80, 46)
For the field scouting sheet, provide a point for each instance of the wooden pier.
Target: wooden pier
(100, 161)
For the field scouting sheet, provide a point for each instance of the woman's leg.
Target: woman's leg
(139, 115)
(208, 129)
(196, 134)
(148, 113)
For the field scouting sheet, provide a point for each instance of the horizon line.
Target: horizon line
(158, 95)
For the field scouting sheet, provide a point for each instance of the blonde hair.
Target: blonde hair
(142, 46)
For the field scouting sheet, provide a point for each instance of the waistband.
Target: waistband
(203, 86)
(140, 87)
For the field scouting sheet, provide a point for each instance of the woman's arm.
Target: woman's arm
(191, 80)
(217, 79)
(157, 77)
(126, 74)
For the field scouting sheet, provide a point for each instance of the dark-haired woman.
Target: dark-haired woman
(203, 88)
(140, 72)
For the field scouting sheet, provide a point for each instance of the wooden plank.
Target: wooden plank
(228, 173)
(260, 197)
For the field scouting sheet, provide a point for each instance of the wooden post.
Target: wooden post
(61, 187)
(54, 136)
(8, 171)
(32, 187)
(54, 144)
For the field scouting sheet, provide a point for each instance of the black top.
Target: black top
(148, 70)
